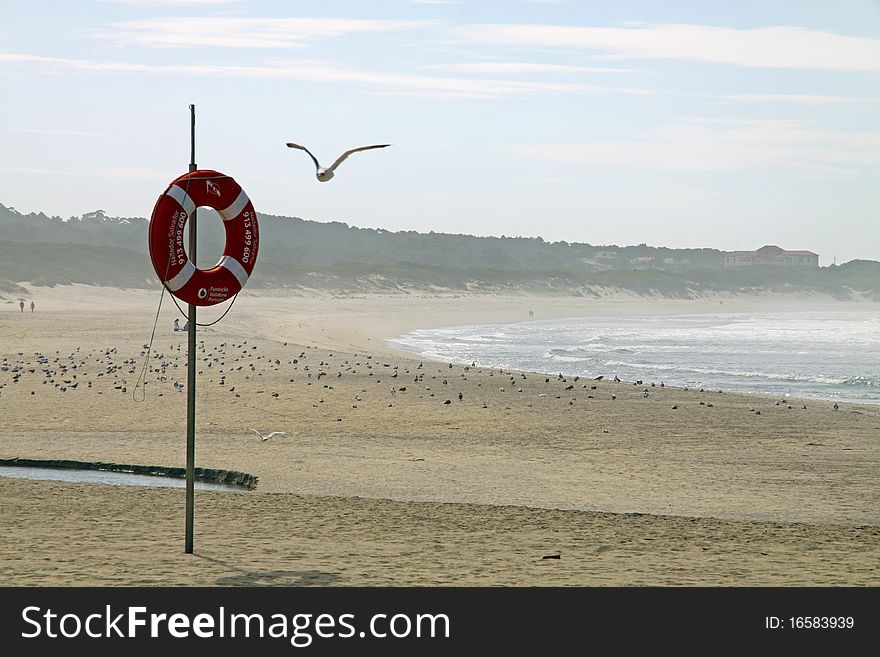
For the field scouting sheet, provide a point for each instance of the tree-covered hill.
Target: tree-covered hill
(297, 253)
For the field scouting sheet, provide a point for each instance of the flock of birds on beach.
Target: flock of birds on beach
(238, 367)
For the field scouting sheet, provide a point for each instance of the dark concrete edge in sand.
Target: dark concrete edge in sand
(209, 475)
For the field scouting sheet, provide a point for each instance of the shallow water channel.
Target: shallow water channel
(107, 477)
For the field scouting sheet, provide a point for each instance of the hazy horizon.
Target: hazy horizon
(681, 126)
(215, 232)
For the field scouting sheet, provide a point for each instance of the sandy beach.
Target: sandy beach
(379, 481)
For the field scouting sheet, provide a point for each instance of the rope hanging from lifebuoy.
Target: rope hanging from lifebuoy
(203, 287)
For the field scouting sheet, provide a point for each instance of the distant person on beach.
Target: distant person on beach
(176, 324)
(21, 304)
(185, 326)
(32, 306)
(531, 313)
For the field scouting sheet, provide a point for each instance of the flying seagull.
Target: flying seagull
(269, 435)
(326, 173)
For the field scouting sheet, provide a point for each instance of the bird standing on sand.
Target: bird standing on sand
(269, 435)
(326, 173)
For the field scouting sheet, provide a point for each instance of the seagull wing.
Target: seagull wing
(277, 433)
(342, 157)
(290, 144)
(257, 432)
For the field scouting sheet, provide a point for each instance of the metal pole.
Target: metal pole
(191, 363)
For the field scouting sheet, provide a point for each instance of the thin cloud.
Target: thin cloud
(259, 33)
(123, 173)
(60, 132)
(798, 99)
(527, 67)
(764, 47)
(35, 171)
(166, 3)
(695, 144)
(312, 71)
(133, 173)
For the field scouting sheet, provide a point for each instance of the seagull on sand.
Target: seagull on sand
(269, 435)
(326, 173)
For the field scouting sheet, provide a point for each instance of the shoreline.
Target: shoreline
(368, 321)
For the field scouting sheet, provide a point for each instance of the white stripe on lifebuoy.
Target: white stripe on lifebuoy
(179, 195)
(182, 277)
(180, 274)
(235, 268)
(235, 209)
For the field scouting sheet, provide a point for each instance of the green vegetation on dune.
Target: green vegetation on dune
(9, 290)
(49, 264)
(295, 253)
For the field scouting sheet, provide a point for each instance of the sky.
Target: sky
(725, 125)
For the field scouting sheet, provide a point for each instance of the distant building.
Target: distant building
(676, 263)
(770, 255)
(601, 260)
(642, 262)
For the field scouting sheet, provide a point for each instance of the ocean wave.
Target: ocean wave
(745, 374)
(862, 381)
(818, 354)
(565, 356)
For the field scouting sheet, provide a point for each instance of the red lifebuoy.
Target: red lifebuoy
(203, 287)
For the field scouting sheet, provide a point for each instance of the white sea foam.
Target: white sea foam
(826, 355)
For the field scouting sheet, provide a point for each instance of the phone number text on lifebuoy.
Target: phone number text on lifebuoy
(175, 237)
(248, 238)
